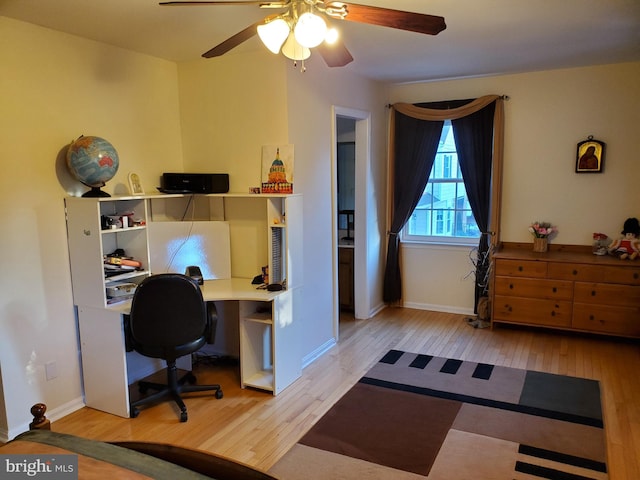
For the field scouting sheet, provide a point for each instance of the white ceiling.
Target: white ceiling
(483, 37)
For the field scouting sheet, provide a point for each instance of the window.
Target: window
(443, 214)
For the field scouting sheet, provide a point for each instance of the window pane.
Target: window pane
(468, 227)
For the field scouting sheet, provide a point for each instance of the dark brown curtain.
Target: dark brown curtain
(416, 145)
(479, 144)
(473, 136)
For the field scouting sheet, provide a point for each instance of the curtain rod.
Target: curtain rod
(503, 97)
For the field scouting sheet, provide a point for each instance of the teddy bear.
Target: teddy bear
(629, 245)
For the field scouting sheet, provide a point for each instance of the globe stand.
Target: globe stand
(95, 192)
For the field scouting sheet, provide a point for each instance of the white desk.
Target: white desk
(235, 289)
(269, 344)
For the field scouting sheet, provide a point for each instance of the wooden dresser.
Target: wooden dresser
(567, 288)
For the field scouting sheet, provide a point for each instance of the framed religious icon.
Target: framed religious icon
(135, 186)
(590, 156)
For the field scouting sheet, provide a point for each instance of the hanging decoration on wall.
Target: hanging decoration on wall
(590, 156)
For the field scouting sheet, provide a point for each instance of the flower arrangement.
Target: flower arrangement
(542, 229)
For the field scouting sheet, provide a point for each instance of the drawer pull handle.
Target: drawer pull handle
(636, 275)
(593, 293)
(511, 286)
(520, 269)
(553, 313)
(554, 290)
(575, 272)
(591, 317)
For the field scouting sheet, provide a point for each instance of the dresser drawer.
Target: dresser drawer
(607, 294)
(575, 271)
(521, 268)
(627, 275)
(532, 311)
(607, 319)
(534, 287)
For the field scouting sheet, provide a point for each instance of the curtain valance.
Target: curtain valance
(433, 114)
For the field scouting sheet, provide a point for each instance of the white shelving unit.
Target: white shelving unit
(89, 243)
(269, 347)
(263, 230)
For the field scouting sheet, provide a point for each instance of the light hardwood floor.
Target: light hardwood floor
(256, 428)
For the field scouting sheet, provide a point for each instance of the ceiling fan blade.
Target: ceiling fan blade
(233, 41)
(261, 3)
(386, 17)
(335, 55)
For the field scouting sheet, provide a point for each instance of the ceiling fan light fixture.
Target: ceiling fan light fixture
(310, 30)
(332, 36)
(273, 34)
(293, 50)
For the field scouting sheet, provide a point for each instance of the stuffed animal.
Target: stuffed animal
(629, 245)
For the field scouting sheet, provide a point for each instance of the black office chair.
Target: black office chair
(169, 319)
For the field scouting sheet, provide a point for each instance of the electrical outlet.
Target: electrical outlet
(50, 370)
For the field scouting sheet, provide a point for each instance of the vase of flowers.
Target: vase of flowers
(541, 232)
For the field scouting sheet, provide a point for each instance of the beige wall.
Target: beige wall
(55, 87)
(547, 115)
(310, 100)
(230, 107)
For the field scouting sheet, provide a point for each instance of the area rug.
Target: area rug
(416, 416)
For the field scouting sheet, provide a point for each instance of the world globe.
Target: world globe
(93, 161)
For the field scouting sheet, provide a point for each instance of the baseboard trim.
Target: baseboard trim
(53, 415)
(318, 352)
(439, 308)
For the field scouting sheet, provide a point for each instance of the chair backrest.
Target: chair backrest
(168, 317)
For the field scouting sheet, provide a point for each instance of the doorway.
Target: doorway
(346, 181)
(350, 160)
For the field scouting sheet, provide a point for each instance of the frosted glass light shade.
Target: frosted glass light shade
(293, 50)
(273, 34)
(332, 36)
(310, 30)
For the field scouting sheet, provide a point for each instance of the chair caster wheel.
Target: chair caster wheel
(219, 394)
(134, 413)
(183, 417)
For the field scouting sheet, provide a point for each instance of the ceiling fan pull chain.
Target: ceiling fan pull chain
(303, 68)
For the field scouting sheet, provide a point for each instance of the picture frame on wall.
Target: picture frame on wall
(277, 169)
(590, 156)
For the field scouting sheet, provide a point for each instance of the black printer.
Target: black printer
(194, 183)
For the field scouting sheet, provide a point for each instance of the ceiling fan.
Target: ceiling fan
(304, 24)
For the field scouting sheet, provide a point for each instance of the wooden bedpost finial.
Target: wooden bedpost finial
(40, 422)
